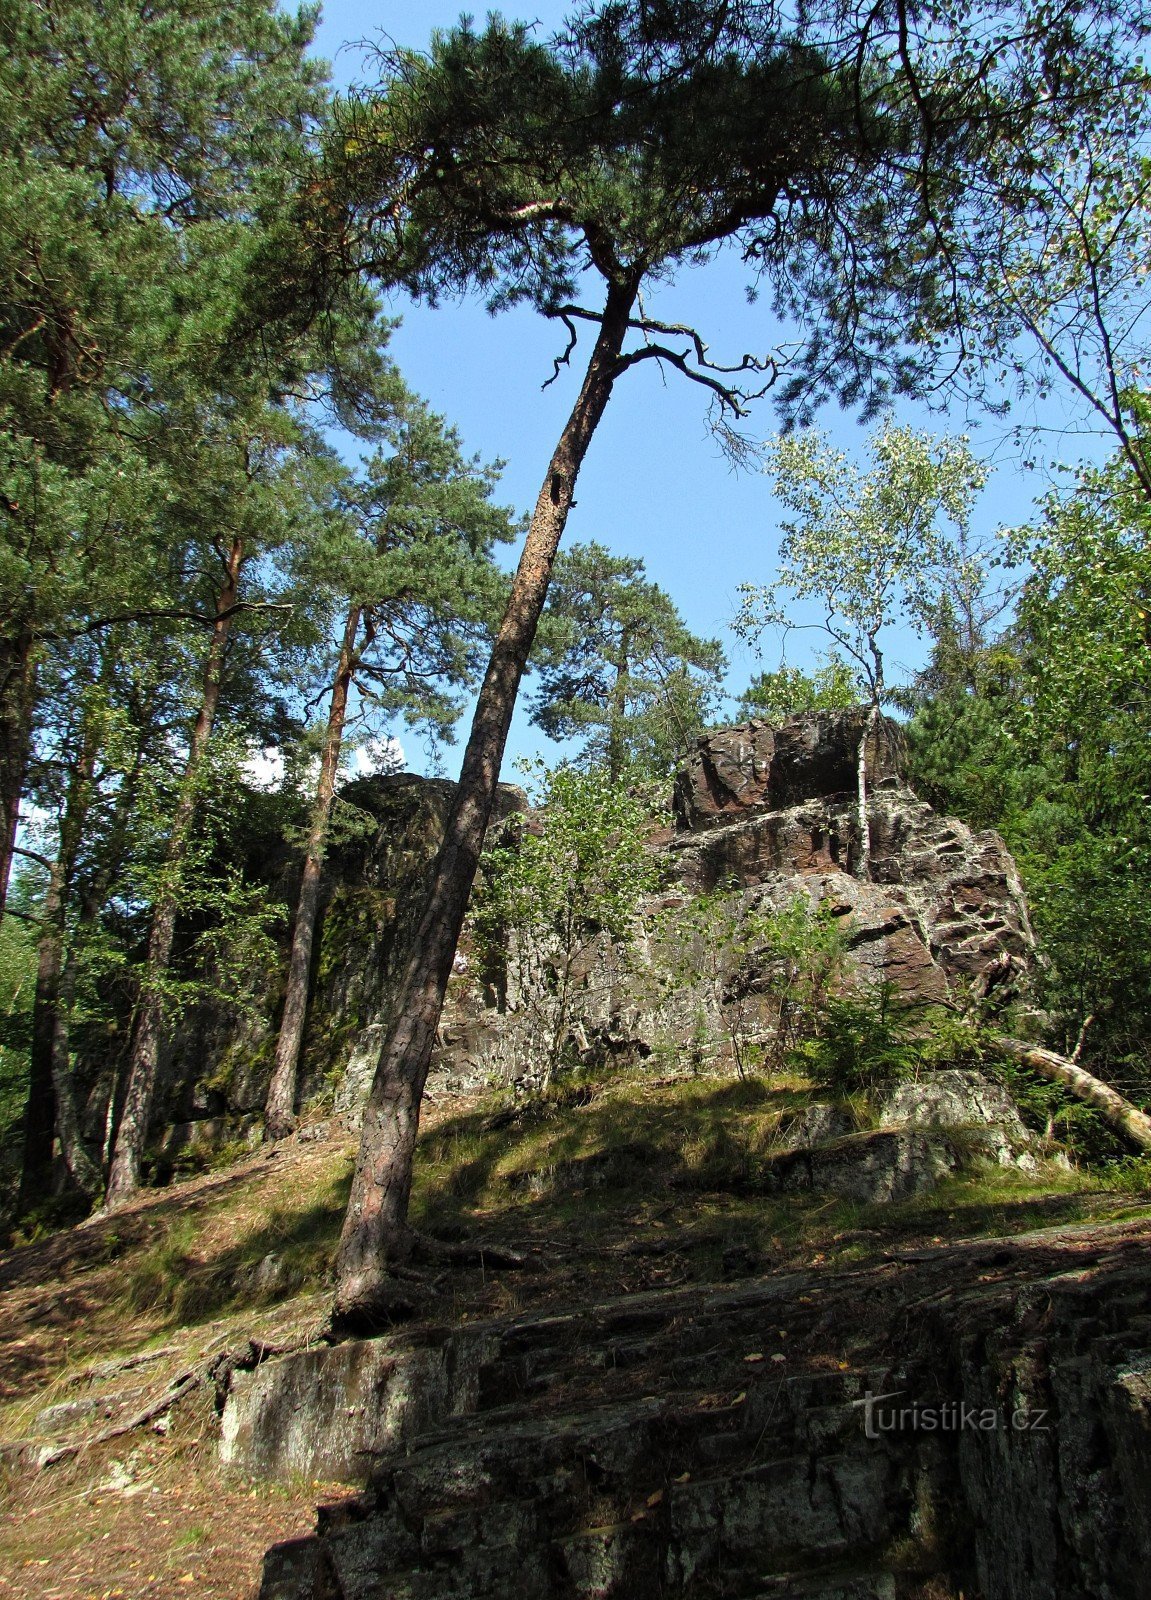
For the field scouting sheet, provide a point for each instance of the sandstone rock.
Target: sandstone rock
(758, 767)
(966, 1101)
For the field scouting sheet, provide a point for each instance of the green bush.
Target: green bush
(863, 1044)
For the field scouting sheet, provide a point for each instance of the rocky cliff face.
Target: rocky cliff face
(973, 1420)
(769, 815)
(778, 809)
(763, 814)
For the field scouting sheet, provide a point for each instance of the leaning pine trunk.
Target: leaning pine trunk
(375, 1227)
(280, 1110)
(1125, 1118)
(128, 1148)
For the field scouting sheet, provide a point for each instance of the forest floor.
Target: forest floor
(116, 1337)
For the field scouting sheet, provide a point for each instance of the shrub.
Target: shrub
(863, 1044)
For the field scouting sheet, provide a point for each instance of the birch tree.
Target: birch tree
(864, 551)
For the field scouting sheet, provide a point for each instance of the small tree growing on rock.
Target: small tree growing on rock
(868, 551)
(573, 875)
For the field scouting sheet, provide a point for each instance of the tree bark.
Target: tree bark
(863, 866)
(42, 1113)
(280, 1108)
(375, 1230)
(128, 1145)
(1125, 1118)
(17, 695)
(82, 1169)
(40, 1103)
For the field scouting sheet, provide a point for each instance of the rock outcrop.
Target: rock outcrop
(778, 808)
(768, 816)
(969, 1420)
(759, 767)
(765, 815)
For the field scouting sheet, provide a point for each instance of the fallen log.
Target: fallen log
(1124, 1117)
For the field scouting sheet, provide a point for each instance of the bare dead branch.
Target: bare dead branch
(172, 613)
(564, 358)
(730, 398)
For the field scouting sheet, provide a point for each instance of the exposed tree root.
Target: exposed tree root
(217, 1371)
(378, 1301)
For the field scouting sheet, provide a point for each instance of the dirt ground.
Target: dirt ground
(110, 1491)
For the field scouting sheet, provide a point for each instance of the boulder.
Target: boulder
(968, 1102)
(759, 767)
(872, 1168)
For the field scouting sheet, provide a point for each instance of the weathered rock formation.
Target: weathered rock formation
(777, 808)
(767, 814)
(967, 1420)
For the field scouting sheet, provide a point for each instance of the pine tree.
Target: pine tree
(621, 666)
(632, 152)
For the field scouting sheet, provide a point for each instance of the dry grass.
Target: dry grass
(622, 1186)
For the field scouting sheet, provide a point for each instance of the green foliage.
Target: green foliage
(618, 664)
(765, 974)
(863, 1044)
(1050, 745)
(17, 989)
(960, 754)
(790, 692)
(1054, 283)
(1054, 1112)
(421, 526)
(868, 550)
(493, 162)
(571, 875)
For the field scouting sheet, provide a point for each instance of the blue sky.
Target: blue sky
(655, 484)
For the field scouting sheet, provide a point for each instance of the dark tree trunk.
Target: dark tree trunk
(40, 1105)
(128, 1146)
(280, 1110)
(82, 1169)
(17, 694)
(42, 1111)
(85, 1171)
(376, 1228)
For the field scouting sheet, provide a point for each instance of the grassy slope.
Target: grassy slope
(629, 1185)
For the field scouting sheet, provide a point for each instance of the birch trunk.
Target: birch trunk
(1125, 1118)
(375, 1230)
(863, 865)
